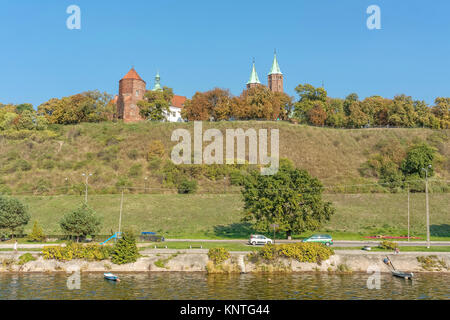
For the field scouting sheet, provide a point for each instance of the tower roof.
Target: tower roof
(253, 76)
(157, 86)
(132, 74)
(275, 67)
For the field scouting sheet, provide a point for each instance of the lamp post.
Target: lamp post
(86, 183)
(145, 184)
(426, 203)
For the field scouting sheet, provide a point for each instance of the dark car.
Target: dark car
(151, 237)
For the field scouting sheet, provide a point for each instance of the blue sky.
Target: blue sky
(201, 44)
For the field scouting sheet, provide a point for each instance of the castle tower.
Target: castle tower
(254, 80)
(157, 86)
(275, 77)
(131, 90)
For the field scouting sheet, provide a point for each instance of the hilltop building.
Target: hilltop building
(274, 78)
(132, 89)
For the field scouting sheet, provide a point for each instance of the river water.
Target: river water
(172, 285)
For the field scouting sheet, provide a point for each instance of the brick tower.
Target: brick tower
(131, 90)
(275, 77)
(254, 80)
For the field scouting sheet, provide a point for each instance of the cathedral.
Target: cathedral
(132, 89)
(274, 78)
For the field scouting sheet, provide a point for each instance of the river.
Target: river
(178, 286)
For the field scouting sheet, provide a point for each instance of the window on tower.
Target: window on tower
(137, 93)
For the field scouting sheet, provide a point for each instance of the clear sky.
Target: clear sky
(201, 44)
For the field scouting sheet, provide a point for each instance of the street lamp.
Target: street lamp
(145, 184)
(426, 201)
(86, 183)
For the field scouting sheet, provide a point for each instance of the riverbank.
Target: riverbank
(196, 260)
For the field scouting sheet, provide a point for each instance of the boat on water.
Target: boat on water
(404, 275)
(111, 277)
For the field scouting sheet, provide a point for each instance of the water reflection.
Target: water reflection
(303, 286)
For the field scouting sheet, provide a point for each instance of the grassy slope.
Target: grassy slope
(218, 216)
(332, 155)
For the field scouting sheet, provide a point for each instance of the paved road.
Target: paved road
(338, 243)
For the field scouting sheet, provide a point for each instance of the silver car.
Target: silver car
(258, 239)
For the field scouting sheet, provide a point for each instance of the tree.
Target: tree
(125, 250)
(291, 198)
(215, 105)
(90, 106)
(156, 104)
(418, 157)
(80, 222)
(13, 214)
(36, 235)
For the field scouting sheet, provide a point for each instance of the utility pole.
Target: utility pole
(86, 183)
(121, 208)
(408, 214)
(427, 204)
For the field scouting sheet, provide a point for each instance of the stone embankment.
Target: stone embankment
(194, 260)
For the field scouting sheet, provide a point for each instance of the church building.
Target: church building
(274, 78)
(132, 89)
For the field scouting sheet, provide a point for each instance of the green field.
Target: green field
(218, 216)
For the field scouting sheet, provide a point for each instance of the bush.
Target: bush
(125, 250)
(27, 257)
(71, 251)
(135, 170)
(302, 252)
(218, 255)
(36, 235)
(187, 186)
(388, 245)
(80, 222)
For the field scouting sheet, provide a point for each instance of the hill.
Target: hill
(117, 154)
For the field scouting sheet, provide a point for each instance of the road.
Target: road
(337, 243)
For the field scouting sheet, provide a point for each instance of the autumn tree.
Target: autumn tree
(156, 104)
(90, 106)
(214, 105)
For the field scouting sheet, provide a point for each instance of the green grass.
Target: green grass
(219, 216)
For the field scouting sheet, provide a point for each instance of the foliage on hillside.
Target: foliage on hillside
(123, 155)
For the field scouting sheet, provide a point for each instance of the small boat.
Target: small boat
(110, 276)
(404, 275)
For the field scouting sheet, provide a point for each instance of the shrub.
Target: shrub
(36, 235)
(125, 250)
(133, 154)
(71, 251)
(13, 214)
(27, 257)
(302, 252)
(135, 170)
(218, 255)
(385, 244)
(187, 186)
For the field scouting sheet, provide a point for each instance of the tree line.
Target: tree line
(313, 107)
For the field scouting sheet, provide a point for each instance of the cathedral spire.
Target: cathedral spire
(157, 86)
(275, 67)
(253, 76)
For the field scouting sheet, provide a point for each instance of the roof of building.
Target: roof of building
(132, 74)
(275, 67)
(253, 76)
(178, 101)
(157, 86)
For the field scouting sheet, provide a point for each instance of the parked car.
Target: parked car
(151, 237)
(259, 239)
(320, 238)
